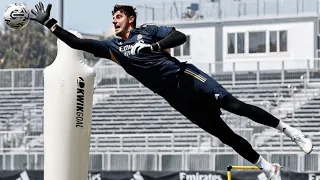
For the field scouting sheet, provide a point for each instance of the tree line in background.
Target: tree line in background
(31, 47)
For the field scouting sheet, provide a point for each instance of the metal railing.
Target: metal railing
(21, 79)
(280, 140)
(181, 138)
(220, 10)
(134, 152)
(228, 73)
(165, 161)
(294, 72)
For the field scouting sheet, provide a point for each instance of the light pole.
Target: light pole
(61, 13)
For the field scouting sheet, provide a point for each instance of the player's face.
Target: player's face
(120, 23)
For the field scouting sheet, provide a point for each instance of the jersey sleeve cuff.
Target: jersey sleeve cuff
(156, 47)
(51, 23)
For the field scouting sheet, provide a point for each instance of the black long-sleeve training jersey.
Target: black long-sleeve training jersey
(154, 70)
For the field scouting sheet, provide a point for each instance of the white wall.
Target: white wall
(202, 44)
(300, 46)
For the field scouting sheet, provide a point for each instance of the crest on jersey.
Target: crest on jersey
(139, 37)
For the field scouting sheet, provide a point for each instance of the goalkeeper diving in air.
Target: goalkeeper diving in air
(142, 53)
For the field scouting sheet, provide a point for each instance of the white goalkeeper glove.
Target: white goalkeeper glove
(141, 48)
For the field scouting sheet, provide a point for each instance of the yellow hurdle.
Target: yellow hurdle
(240, 168)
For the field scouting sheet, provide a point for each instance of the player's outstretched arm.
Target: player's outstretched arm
(42, 16)
(174, 38)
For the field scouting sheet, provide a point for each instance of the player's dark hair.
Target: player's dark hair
(127, 10)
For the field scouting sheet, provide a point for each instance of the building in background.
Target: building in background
(242, 35)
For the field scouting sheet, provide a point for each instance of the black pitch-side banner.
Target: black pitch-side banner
(155, 175)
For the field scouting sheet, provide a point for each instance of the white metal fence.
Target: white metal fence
(137, 152)
(185, 138)
(231, 73)
(165, 161)
(21, 79)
